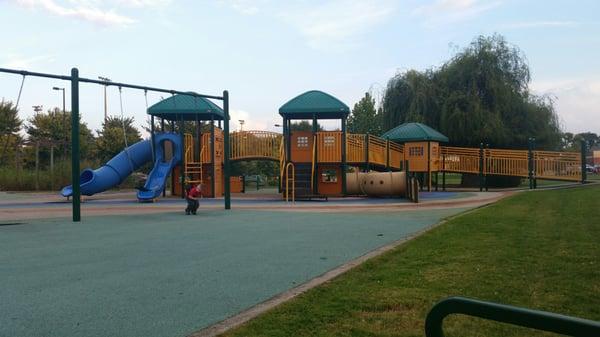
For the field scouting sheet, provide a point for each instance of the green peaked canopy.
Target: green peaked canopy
(187, 107)
(314, 102)
(414, 132)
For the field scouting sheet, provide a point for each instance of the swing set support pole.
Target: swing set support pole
(75, 145)
(226, 165)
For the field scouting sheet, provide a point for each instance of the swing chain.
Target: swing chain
(124, 129)
(20, 91)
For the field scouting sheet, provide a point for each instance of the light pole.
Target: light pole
(105, 79)
(241, 124)
(63, 96)
(64, 113)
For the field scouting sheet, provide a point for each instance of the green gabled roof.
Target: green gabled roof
(186, 107)
(314, 102)
(414, 132)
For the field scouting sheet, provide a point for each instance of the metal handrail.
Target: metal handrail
(535, 319)
(281, 163)
(312, 170)
(287, 181)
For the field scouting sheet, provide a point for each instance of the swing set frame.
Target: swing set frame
(75, 164)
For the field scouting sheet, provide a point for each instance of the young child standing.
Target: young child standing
(192, 196)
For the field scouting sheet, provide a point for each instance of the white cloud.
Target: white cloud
(251, 122)
(143, 3)
(95, 11)
(441, 12)
(16, 61)
(246, 7)
(577, 102)
(540, 24)
(334, 24)
(83, 10)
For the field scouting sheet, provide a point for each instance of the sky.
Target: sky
(265, 52)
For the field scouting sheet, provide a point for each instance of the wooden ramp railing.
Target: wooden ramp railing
(557, 165)
(506, 162)
(549, 165)
(460, 159)
(255, 144)
(373, 150)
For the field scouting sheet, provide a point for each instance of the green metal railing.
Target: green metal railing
(535, 319)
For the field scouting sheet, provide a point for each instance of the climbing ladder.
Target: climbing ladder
(192, 168)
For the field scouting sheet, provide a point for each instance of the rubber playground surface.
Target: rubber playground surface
(162, 273)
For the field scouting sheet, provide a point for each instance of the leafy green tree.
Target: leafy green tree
(111, 139)
(567, 141)
(364, 117)
(54, 127)
(10, 124)
(304, 126)
(591, 140)
(480, 95)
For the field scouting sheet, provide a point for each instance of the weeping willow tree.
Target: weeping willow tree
(480, 95)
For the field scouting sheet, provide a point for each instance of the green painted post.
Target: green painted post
(197, 131)
(407, 177)
(226, 150)
(443, 172)
(530, 163)
(480, 167)
(182, 164)
(315, 129)
(487, 169)
(416, 196)
(75, 145)
(162, 129)
(387, 154)
(583, 161)
(152, 138)
(213, 165)
(428, 167)
(344, 159)
(533, 167)
(367, 165)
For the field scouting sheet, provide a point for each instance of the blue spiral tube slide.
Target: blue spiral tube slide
(162, 167)
(122, 165)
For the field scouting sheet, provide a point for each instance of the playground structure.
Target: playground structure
(313, 164)
(202, 150)
(319, 158)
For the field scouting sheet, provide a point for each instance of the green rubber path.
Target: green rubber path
(170, 274)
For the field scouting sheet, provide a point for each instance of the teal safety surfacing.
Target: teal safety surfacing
(170, 274)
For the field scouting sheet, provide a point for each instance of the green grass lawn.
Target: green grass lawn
(537, 250)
